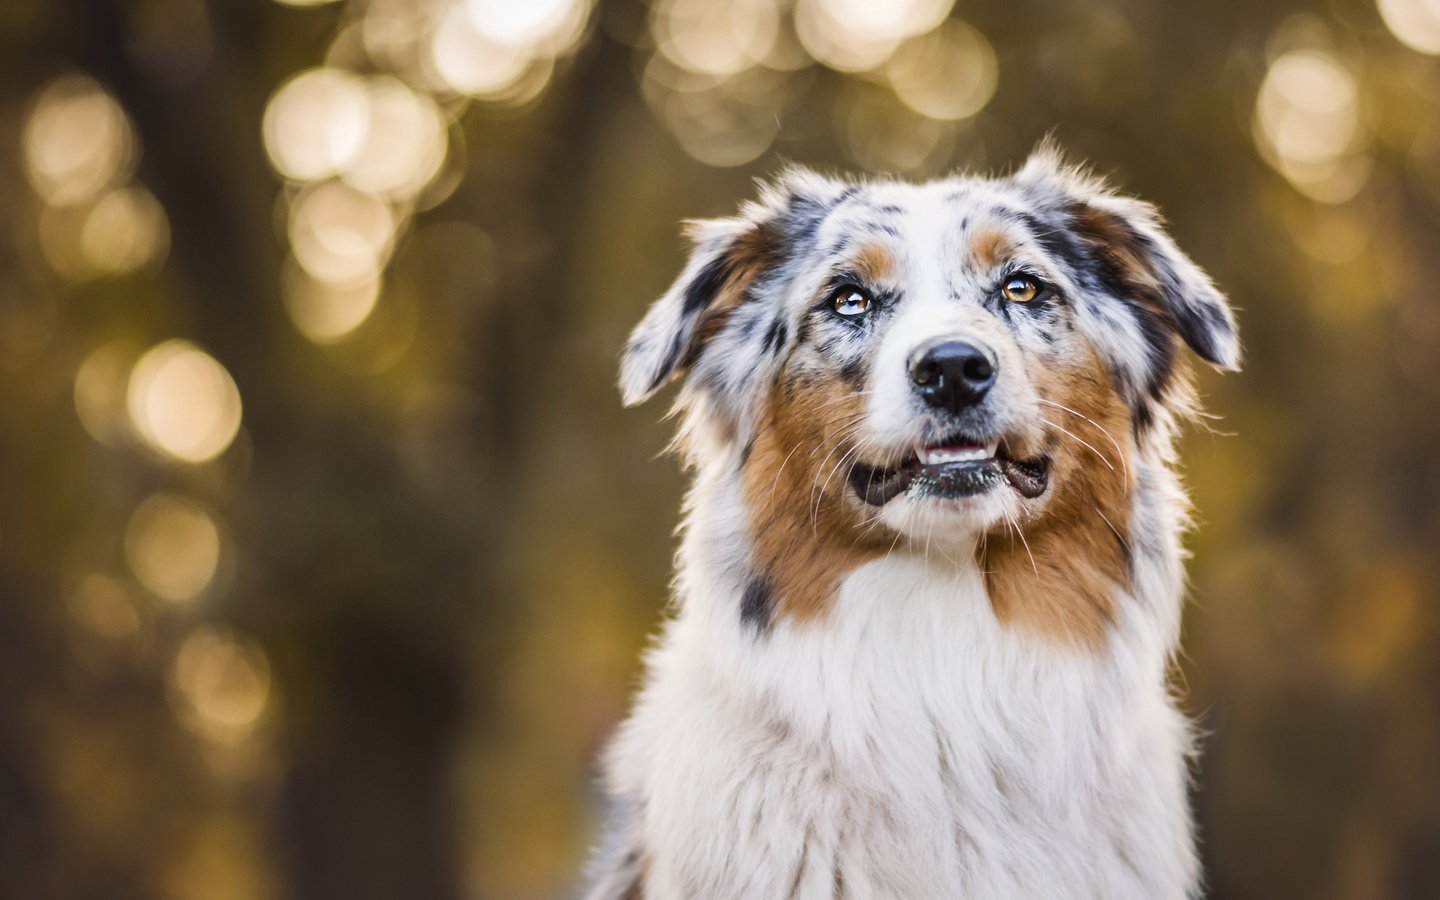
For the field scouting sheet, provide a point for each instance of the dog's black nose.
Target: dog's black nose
(952, 375)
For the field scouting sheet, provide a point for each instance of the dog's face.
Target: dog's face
(938, 362)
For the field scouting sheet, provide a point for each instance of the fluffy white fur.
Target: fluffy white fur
(912, 746)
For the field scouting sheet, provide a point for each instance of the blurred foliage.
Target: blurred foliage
(326, 553)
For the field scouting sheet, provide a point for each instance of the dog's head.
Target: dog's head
(940, 362)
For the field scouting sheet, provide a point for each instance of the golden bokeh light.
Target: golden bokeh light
(316, 123)
(341, 235)
(715, 38)
(548, 27)
(325, 312)
(949, 73)
(722, 122)
(102, 605)
(1307, 125)
(376, 133)
(404, 143)
(304, 2)
(173, 546)
(183, 403)
(125, 231)
(77, 141)
(223, 683)
(1307, 106)
(1415, 23)
(469, 62)
(860, 35)
(391, 31)
(881, 135)
(100, 393)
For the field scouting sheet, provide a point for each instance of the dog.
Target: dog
(930, 580)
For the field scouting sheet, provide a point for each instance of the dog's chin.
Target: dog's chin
(956, 469)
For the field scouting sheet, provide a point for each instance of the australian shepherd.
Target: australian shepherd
(930, 580)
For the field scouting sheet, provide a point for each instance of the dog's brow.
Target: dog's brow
(874, 262)
(991, 246)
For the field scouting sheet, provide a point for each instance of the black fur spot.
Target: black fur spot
(838, 246)
(1159, 345)
(757, 605)
(1057, 240)
(1201, 325)
(776, 335)
(805, 214)
(672, 359)
(707, 283)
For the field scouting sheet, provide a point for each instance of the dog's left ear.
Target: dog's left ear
(1130, 247)
(729, 255)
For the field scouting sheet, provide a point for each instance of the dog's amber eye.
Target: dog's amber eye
(851, 302)
(1021, 289)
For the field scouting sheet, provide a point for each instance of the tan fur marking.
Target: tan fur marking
(1058, 573)
(1117, 240)
(806, 538)
(990, 248)
(874, 263)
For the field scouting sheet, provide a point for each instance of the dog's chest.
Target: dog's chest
(908, 746)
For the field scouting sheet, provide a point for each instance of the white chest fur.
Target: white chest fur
(908, 745)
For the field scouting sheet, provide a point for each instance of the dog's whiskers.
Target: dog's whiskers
(1098, 427)
(1063, 430)
(1123, 542)
(1011, 521)
(843, 422)
(817, 491)
(854, 451)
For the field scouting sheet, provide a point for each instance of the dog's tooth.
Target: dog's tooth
(940, 456)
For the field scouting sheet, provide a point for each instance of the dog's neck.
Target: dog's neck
(910, 735)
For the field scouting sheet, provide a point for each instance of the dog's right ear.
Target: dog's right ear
(729, 255)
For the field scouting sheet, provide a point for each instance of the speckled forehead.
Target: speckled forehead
(950, 226)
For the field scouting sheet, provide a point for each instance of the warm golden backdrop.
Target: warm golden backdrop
(326, 552)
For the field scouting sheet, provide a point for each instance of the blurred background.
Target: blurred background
(326, 551)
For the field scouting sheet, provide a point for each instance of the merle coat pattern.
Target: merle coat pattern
(926, 603)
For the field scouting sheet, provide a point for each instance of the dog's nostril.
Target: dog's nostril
(977, 368)
(927, 371)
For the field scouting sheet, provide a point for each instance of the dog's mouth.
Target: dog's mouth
(954, 468)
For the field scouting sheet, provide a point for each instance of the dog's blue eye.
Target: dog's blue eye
(851, 302)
